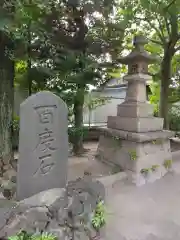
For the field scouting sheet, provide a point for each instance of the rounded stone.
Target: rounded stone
(9, 174)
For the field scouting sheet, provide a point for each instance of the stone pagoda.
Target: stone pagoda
(135, 140)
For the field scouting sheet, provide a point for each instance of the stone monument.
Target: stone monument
(43, 144)
(134, 140)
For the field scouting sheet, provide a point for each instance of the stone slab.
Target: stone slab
(136, 137)
(43, 146)
(133, 156)
(128, 109)
(136, 92)
(135, 124)
(139, 77)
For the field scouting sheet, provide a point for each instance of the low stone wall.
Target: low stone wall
(57, 211)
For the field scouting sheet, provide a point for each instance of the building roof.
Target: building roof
(116, 83)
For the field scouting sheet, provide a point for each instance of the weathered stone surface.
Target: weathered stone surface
(137, 77)
(136, 157)
(43, 146)
(136, 91)
(45, 198)
(57, 211)
(136, 137)
(9, 174)
(131, 110)
(143, 124)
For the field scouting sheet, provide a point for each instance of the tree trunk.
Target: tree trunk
(29, 56)
(89, 117)
(29, 77)
(78, 121)
(6, 100)
(164, 91)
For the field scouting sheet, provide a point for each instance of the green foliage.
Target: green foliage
(67, 54)
(157, 142)
(91, 103)
(159, 22)
(23, 235)
(145, 171)
(15, 123)
(168, 163)
(174, 112)
(155, 96)
(73, 132)
(154, 167)
(174, 118)
(44, 236)
(98, 219)
(133, 155)
(26, 236)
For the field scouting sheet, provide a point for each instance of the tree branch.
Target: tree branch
(167, 25)
(155, 41)
(160, 26)
(169, 5)
(177, 49)
(155, 28)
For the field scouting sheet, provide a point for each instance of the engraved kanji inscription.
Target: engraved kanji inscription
(133, 68)
(46, 140)
(138, 68)
(46, 165)
(46, 113)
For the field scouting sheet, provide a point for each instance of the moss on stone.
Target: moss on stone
(145, 171)
(157, 142)
(133, 155)
(154, 167)
(168, 163)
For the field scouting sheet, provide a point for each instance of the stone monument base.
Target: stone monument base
(145, 157)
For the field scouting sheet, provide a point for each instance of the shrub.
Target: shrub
(174, 118)
(26, 236)
(74, 132)
(98, 219)
(15, 123)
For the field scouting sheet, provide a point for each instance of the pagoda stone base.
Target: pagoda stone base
(145, 157)
(144, 124)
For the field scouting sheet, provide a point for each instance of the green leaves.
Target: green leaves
(99, 218)
(5, 23)
(44, 236)
(92, 102)
(25, 236)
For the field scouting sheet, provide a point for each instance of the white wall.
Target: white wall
(100, 114)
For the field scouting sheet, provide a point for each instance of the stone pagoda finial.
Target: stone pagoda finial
(137, 60)
(139, 41)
